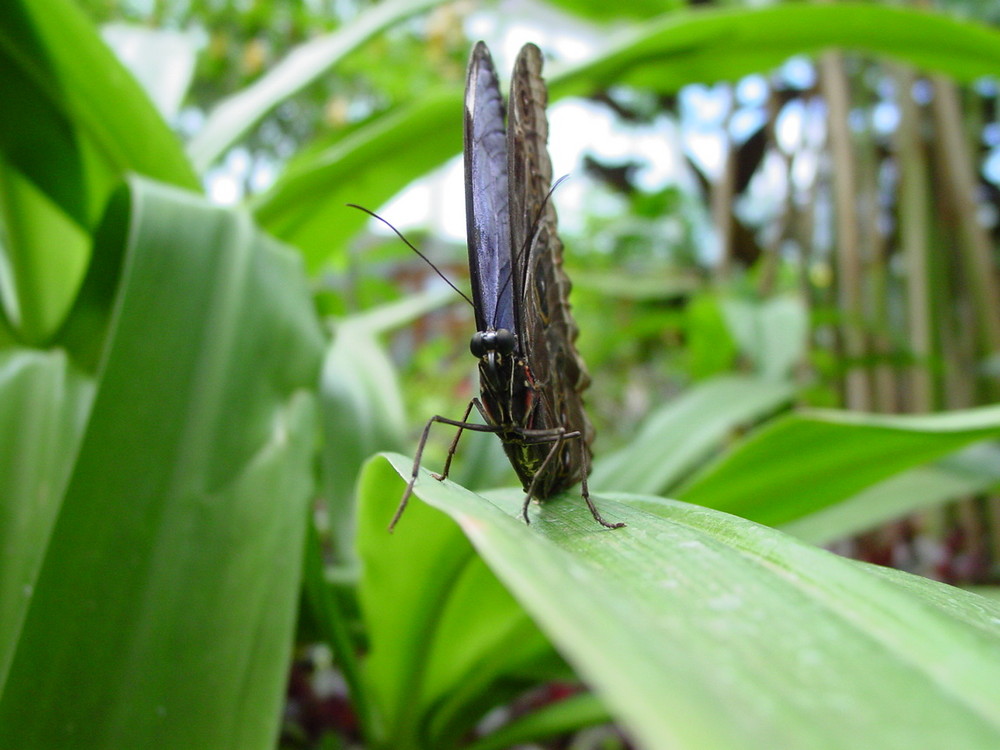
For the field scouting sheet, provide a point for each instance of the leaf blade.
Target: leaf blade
(803, 462)
(171, 548)
(674, 616)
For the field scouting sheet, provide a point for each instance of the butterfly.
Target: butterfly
(531, 376)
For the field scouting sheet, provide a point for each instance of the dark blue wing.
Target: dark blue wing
(487, 213)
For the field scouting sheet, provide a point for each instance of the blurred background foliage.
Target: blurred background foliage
(760, 156)
(855, 185)
(826, 221)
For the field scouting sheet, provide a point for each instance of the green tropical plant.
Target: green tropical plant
(171, 407)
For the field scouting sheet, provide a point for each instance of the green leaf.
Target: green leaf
(43, 408)
(402, 312)
(801, 463)
(709, 348)
(334, 624)
(725, 44)
(74, 118)
(446, 640)
(163, 612)
(237, 115)
(163, 60)
(689, 610)
(684, 433)
(43, 258)
(552, 720)
(362, 412)
(606, 12)
(74, 123)
(361, 405)
(971, 471)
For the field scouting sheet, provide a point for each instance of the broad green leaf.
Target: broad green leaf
(608, 12)
(237, 115)
(805, 462)
(709, 348)
(684, 433)
(401, 313)
(74, 119)
(724, 44)
(446, 640)
(624, 284)
(163, 612)
(362, 413)
(361, 405)
(43, 257)
(163, 60)
(972, 471)
(74, 122)
(43, 407)
(689, 610)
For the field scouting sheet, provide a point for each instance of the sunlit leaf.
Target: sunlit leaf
(164, 608)
(43, 408)
(446, 640)
(690, 609)
(684, 433)
(969, 472)
(804, 462)
(74, 118)
(306, 207)
(74, 123)
(725, 44)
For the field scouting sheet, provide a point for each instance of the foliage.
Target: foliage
(171, 410)
(744, 616)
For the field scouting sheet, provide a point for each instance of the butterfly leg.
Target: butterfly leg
(413, 476)
(584, 490)
(559, 437)
(461, 425)
(454, 445)
(586, 494)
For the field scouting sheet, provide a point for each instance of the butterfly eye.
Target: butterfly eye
(478, 345)
(505, 341)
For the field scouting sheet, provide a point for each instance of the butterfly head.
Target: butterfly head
(494, 348)
(486, 342)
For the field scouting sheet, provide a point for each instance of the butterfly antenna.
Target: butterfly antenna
(503, 287)
(541, 208)
(410, 245)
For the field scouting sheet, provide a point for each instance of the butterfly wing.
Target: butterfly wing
(486, 194)
(542, 318)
